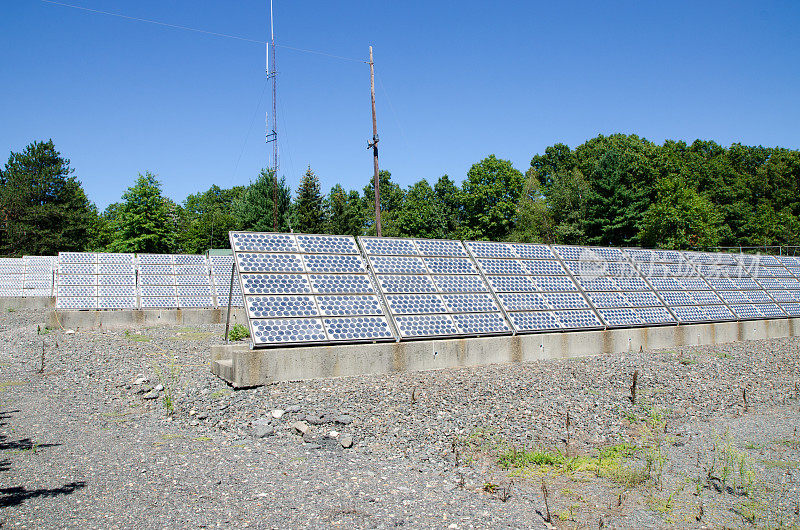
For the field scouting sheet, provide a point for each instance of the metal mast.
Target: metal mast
(272, 135)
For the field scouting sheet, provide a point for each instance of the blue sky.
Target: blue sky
(456, 81)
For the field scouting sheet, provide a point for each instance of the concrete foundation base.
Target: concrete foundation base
(32, 302)
(142, 318)
(242, 367)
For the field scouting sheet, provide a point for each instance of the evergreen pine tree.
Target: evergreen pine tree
(43, 209)
(309, 214)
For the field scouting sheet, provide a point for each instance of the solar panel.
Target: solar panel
(535, 321)
(434, 288)
(38, 278)
(12, 277)
(620, 317)
(425, 325)
(534, 287)
(177, 280)
(598, 254)
(156, 281)
(221, 270)
(301, 288)
(742, 282)
(96, 281)
(565, 300)
(654, 315)
(792, 309)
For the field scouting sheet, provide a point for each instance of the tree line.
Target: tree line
(618, 190)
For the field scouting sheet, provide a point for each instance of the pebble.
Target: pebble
(301, 428)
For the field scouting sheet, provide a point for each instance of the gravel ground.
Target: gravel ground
(89, 439)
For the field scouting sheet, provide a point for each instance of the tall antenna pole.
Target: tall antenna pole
(374, 146)
(272, 136)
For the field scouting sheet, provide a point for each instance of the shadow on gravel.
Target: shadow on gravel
(23, 444)
(19, 494)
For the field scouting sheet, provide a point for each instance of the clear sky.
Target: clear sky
(456, 81)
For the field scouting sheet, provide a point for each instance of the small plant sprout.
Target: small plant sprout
(168, 377)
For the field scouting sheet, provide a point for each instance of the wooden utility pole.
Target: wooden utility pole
(374, 146)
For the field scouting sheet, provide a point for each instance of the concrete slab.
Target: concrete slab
(27, 303)
(136, 318)
(242, 367)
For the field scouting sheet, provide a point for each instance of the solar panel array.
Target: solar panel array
(533, 287)
(12, 276)
(733, 278)
(174, 280)
(221, 270)
(300, 288)
(786, 290)
(614, 287)
(678, 284)
(432, 288)
(39, 275)
(89, 280)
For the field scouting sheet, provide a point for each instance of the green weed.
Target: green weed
(168, 377)
(238, 332)
(136, 337)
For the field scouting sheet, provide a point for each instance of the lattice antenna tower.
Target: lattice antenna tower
(272, 132)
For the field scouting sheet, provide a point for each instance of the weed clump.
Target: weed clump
(238, 332)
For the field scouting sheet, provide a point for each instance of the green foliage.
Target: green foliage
(391, 197)
(610, 190)
(145, 221)
(43, 209)
(421, 215)
(490, 196)
(255, 209)
(208, 217)
(238, 332)
(345, 215)
(680, 218)
(621, 173)
(449, 198)
(513, 457)
(309, 214)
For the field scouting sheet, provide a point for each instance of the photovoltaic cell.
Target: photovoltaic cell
(565, 300)
(620, 317)
(535, 321)
(341, 283)
(440, 248)
(287, 330)
(221, 270)
(349, 305)
(460, 284)
(333, 263)
(450, 266)
(374, 246)
(413, 304)
(319, 244)
(481, 323)
(357, 328)
(792, 309)
(397, 265)
(425, 325)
